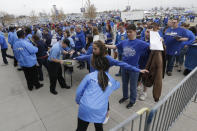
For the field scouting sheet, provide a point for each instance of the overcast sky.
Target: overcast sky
(24, 7)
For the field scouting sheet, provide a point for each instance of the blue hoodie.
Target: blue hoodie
(92, 100)
(173, 46)
(80, 41)
(112, 62)
(3, 42)
(25, 53)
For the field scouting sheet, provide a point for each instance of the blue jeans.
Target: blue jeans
(180, 58)
(133, 78)
(170, 62)
(120, 59)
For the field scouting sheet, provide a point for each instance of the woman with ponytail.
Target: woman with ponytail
(93, 94)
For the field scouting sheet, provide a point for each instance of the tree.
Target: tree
(5, 18)
(61, 15)
(90, 10)
(57, 15)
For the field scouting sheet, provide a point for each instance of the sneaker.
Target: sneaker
(38, 87)
(169, 73)
(30, 88)
(139, 88)
(106, 120)
(19, 69)
(179, 69)
(54, 92)
(66, 87)
(122, 100)
(143, 96)
(176, 65)
(130, 105)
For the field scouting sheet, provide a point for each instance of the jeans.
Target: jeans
(180, 58)
(133, 78)
(83, 125)
(120, 59)
(170, 62)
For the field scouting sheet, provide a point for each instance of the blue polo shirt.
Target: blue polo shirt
(132, 50)
(55, 51)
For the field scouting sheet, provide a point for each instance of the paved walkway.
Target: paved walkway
(22, 110)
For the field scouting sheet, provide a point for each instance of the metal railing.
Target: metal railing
(165, 112)
(136, 122)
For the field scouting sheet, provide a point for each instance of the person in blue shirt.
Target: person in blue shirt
(4, 48)
(191, 55)
(47, 37)
(12, 38)
(41, 55)
(25, 54)
(28, 33)
(132, 50)
(109, 37)
(93, 93)
(1, 32)
(80, 43)
(120, 36)
(174, 38)
(144, 24)
(67, 35)
(184, 47)
(54, 66)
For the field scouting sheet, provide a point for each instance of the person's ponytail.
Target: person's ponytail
(101, 64)
(103, 80)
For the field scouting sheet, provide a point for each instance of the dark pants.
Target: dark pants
(55, 73)
(83, 125)
(42, 62)
(170, 62)
(109, 51)
(4, 55)
(31, 75)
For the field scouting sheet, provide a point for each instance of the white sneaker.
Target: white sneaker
(139, 88)
(143, 96)
(106, 120)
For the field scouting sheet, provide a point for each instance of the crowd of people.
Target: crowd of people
(140, 67)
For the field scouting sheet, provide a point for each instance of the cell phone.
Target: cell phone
(177, 37)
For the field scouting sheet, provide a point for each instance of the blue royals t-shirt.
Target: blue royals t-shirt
(132, 50)
(173, 46)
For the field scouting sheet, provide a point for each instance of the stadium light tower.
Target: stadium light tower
(82, 8)
(128, 7)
